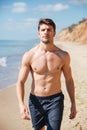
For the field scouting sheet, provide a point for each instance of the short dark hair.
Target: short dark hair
(47, 21)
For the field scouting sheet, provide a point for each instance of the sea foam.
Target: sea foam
(3, 61)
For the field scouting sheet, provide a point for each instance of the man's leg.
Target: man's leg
(55, 114)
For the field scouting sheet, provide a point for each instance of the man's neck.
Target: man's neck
(46, 46)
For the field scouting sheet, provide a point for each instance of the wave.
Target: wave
(3, 61)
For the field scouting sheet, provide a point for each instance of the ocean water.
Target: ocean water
(11, 53)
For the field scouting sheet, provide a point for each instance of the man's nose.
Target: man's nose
(46, 31)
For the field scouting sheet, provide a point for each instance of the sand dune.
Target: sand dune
(74, 33)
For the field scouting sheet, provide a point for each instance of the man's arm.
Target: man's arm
(69, 85)
(23, 74)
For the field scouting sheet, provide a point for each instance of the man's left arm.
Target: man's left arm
(69, 85)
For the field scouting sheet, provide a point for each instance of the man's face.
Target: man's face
(46, 33)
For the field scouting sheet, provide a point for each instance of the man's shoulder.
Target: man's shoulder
(31, 51)
(28, 55)
(62, 53)
(65, 56)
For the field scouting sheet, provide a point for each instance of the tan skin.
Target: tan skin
(46, 62)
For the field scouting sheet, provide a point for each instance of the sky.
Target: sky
(19, 18)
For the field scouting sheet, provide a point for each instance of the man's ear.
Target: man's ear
(38, 33)
(54, 34)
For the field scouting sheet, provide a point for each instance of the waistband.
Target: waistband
(46, 97)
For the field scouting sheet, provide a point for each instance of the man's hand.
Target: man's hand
(24, 112)
(73, 112)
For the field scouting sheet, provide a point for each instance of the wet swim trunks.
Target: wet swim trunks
(46, 111)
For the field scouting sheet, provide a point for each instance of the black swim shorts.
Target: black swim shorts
(46, 111)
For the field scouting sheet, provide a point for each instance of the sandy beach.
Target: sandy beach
(9, 109)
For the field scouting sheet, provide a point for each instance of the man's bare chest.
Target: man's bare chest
(46, 63)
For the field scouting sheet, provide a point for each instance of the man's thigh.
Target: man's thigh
(55, 116)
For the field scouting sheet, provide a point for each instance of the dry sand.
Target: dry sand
(9, 110)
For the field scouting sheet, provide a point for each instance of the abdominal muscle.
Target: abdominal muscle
(46, 85)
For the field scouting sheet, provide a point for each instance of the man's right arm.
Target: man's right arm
(23, 74)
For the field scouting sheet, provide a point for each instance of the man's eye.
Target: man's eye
(43, 30)
(49, 30)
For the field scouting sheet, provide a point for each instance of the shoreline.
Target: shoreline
(2, 89)
(10, 115)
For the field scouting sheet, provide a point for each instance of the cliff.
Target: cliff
(74, 33)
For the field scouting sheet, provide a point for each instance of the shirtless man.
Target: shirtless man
(46, 62)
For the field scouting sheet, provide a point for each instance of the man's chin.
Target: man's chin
(46, 41)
